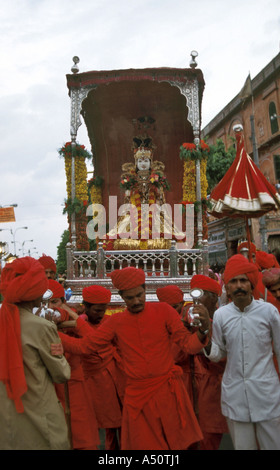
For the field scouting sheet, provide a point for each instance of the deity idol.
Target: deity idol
(145, 222)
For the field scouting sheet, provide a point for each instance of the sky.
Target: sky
(39, 38)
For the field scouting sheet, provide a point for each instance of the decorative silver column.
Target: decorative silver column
(190, 90)
(77, 96)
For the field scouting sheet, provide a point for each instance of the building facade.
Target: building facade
(258, 111)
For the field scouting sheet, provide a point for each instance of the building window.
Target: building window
(273, 118)
(277, 167)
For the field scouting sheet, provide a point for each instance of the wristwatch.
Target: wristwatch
(205, 332)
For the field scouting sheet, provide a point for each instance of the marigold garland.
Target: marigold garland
(95, 190)
(190, 153)
(80, 203)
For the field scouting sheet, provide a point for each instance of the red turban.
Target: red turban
(22, 280)
(56, 288)
(271, 277)
(47, 262)
(206, 283)
(170, 294)
(96, 295)
(127, 278)
(246, 245)
(237, 265)
(266, 260)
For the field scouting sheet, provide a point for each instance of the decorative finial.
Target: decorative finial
(75, 68)
(193, 62)
(238, 128)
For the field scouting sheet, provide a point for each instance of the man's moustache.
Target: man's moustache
(240, 291)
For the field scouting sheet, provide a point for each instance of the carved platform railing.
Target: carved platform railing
(161, 266)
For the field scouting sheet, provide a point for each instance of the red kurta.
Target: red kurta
(106, 384)
(202, 379)
(157, 414)
(84, 428)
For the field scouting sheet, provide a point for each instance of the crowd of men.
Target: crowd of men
(146, 376)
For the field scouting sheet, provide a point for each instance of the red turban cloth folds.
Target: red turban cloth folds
(271, 277)
(22, 280)
(48, 262)
(237, 265)
(96, 295)
(170, 294)
(266, 260)
(206, 283)
(127, 278)
(56, 288)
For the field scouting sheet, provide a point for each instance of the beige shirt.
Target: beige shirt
(42, 426)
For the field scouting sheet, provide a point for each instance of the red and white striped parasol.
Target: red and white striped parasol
(244, 191)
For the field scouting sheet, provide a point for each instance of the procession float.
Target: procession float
(145, 203)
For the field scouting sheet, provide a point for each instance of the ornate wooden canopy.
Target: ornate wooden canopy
(117, 105)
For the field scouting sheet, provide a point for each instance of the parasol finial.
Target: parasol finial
(238, 128)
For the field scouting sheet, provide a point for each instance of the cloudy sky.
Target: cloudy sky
(39, 39)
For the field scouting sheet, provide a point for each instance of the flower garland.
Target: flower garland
(190, 153)
(75, 150)
(80, 202)
(159, 181)
(95, 189)
(75, 206)
(156, 179)
(128, 182)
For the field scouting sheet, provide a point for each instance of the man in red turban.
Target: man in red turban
(157, 412)
(84, 428)
(30, 415)
(201, 377)
(271, 280)
(246, 331)
(172, 295)
(104, 373)
(49, 265)
(209, 375)
(266, 260)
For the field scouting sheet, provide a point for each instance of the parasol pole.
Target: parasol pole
(249, 240)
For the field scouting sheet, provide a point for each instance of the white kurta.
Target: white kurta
(250, 386)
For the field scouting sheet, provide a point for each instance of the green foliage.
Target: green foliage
(61, 263)
(219, 161)
(74, 207)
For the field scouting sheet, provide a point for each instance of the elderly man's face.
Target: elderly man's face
(239, 289)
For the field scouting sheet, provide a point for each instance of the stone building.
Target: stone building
(257, 108)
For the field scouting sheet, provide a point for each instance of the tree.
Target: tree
(61, 263)
(219, 161)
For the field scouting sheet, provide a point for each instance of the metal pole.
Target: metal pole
(199, 206)
(173, 259)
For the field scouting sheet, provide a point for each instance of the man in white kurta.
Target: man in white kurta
(246, 331)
